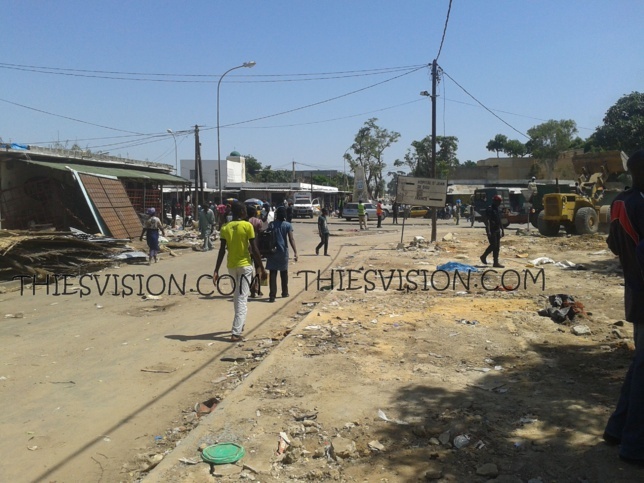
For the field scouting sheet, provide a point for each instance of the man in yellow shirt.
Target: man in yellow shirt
(239, 237)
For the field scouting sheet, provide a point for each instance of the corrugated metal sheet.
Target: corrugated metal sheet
(121, 173)
(113, 205)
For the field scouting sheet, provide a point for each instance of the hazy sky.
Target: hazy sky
(115, 75)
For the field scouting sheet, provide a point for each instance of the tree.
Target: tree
(623, 127)
(419, 159)
(515, 148)
(446, 159)
(497, 144)
(253, 167)
(549, 139)
(369, 145)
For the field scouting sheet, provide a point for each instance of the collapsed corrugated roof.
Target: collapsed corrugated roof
(120, 173)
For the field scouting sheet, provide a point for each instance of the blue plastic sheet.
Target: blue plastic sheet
(452, 266)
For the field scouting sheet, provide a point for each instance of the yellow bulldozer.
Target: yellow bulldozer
(586, 211)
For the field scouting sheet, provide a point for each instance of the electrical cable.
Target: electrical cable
(113, 75)
(324, 101)
(68, 118)
(449, 9)
(484, 106)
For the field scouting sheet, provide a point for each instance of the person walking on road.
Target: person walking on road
(151, 229)
(278, 261)
(362, 215)
(238, 236)
(625, 426)
(206, 224)
(323, 231)
(457, 211)
(494, 231)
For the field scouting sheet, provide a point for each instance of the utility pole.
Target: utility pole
(195, 200)
(433, 172)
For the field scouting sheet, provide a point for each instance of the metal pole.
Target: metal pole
(221, 196)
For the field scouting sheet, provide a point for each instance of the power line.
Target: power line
(210, 78)
(449, 9)
(324, 101)
(68, 118)
(484, 106)
(327, 120)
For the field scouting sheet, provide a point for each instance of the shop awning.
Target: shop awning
(120, 173)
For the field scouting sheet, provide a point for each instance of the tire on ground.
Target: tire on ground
(547, 228)
(586, 221)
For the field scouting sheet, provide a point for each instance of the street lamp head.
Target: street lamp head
(249, 64)
(424, 93)
(169, 131)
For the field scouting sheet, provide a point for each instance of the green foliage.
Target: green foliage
(446, 159)
(419, 159)
(253, 167)
(549, 139)
(515, 148)
(368, 148)
(497, 144)
(623, 127)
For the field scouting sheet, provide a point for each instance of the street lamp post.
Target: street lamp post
(176, 161)
(176, 170)
(245, 64)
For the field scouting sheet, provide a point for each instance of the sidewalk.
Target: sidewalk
(400, 385)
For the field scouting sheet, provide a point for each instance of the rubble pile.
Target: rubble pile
(47, 253)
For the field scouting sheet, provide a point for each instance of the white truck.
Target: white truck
(304, 206)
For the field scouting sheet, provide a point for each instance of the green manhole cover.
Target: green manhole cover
(223, 453)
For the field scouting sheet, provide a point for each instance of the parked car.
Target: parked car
(350, 211)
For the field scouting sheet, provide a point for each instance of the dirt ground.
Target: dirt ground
(396, 383)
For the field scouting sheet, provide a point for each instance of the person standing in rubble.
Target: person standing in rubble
(151, 229)
(494, 231)
(625, 426)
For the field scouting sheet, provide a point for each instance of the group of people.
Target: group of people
(239, 238)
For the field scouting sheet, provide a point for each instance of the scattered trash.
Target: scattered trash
(383, 416)
(151, 297)
(159, 369)
(541, 261)
(562, 307)
(461, 441)
(283, 443)
(18, 315)
(188, 461)
(527, 420)
(32, 448)
(453, 266)
(468, 322)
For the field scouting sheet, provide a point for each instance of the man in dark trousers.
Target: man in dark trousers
(626, 239)
(494, 231)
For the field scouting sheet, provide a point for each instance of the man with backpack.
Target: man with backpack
(238, 236)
